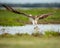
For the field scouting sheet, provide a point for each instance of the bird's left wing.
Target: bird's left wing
(15, 11)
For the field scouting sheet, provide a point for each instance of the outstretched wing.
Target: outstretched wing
(44, 15)
(15, 11)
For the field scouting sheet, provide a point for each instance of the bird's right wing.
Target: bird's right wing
(15, 11)
(44, 15)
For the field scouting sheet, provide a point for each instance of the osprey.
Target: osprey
(33, 19)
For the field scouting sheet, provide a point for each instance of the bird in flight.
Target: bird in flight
(34, 19)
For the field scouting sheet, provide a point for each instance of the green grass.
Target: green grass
(8, 18)
(30, 42)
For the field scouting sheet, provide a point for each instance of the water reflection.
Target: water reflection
(30, 28)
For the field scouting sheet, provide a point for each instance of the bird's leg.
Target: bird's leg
(34, 22)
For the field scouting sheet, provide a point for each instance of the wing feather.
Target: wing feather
(15, 11)
(44, 15)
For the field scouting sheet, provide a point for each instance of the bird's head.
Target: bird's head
(30, 15)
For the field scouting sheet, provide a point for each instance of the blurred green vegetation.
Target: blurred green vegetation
(52, 33)
(8, 18)
(28, 41)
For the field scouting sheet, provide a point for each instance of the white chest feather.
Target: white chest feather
(34, 21)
